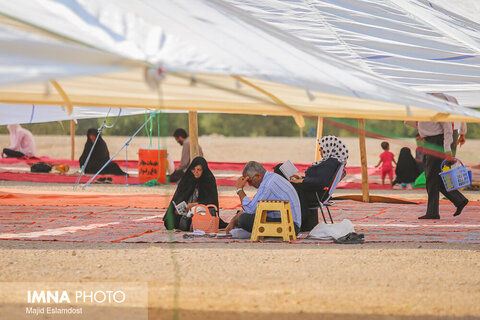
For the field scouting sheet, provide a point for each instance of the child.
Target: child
(386, 157)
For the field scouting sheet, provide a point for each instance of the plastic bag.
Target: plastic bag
(336, 230)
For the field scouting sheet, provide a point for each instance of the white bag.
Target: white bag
(239, 233)
(328, 231)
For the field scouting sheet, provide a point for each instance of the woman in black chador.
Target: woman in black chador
(198, 186)
(318, 178)
(99, 156)
(407, 169)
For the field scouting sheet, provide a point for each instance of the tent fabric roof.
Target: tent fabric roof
(30, 57)
(204, 46)
(128, 89)
(10, 114)
(417, 43)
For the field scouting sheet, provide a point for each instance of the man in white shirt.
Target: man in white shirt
(438, 138)
(459, 128)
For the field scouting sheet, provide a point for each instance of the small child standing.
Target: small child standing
(386, 158)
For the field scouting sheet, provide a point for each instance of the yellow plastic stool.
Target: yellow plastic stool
(262, 228)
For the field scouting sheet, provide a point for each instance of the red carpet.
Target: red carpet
(146, 201)
(380, 222)
(234, 167)
(218, 166)
(62, 178)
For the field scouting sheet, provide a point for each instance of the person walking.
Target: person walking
(438, 135)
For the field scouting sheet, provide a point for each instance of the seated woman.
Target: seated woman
(317, 177)
(407, 170)
(99, 156)
(197, 186)
(21, 143)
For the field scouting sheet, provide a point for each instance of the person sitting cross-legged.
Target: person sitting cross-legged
(99, 156)
(270, 186)
(22, 143)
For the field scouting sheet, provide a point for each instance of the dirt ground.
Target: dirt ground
(269, 281)
(260, 280)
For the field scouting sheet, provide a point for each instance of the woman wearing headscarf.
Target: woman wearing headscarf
(99, 156)
(21, 142)
(197, 186)
(407, 169)
(318, 177)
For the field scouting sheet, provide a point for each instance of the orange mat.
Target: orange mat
(145, 201)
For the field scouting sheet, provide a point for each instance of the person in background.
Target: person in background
(271, 186)
(459, 132)
(386, 159)
(182, 138)
(198, 186)
(406, 171)
(22, 143)
(419, 152)
(99, 156)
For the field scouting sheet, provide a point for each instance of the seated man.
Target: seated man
(182, 138)
(270, 186)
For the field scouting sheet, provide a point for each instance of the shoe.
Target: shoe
(460, 208)
(100, 180)
(351, 238)
(429, 217)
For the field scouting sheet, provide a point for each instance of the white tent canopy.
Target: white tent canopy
(427, 45)
(204, 46)
(10, 114)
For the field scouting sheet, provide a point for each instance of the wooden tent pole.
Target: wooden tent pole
(69, 105)
(319, 135)
(193, 130)
(72, 139)
(363, 159)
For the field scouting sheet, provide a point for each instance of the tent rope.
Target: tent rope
(99, 131)
(125, 145)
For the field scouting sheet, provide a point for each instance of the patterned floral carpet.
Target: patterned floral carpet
(380, 222)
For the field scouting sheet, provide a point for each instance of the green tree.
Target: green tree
(234, 125)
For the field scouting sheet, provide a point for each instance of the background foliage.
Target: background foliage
(234, 125)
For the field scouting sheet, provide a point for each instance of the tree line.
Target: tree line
(232, 125)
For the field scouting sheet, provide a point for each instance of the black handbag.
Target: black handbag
(184, 223)
(41, 167)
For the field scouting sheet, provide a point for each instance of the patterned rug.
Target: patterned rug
(380, 222)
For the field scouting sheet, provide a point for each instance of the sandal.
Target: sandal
(351, 238)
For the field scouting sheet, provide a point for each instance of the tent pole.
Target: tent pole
(69, 106)
(363, 159)
(319, 135)
(72, 139)
(193, 130)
